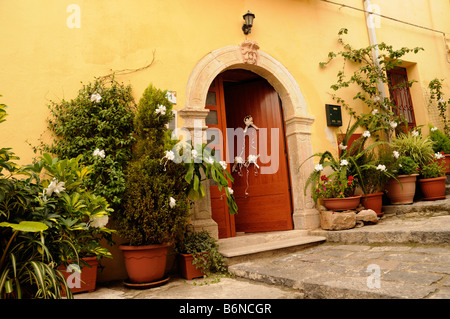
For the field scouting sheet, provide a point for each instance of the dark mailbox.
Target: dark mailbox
(334, 116)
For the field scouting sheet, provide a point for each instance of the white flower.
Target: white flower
(318, 167)
(172, 202)
(393, 124)
(375, 111)
(239, 160)
(441, 100)
(95, 97)
(230, 190)
(366, 134)
(170, 155)
(434, 129)
(381, 168)
(342, 147)
(55, 187)
(223, 164)
(161, 110)
(376, 99)
(396, 154)
(438, 155)
(415, 133)
(252, 158)
(344, 162)
(99, 221)
(209, 160)
(97, 152)
(194, 153)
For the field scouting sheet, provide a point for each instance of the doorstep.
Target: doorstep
(255, 245)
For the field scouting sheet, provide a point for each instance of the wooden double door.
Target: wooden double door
(262, 187)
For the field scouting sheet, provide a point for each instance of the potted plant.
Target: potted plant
(80, 216)
(375, 179)
(432, 180)
(199, 255)
(346, 170)
(441, 145)
(156, 207)
(402, 189)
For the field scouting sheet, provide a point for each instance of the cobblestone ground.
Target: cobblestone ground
(358, 271)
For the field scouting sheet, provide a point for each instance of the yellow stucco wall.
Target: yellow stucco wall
(42, 59)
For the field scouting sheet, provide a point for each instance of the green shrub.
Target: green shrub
(204, 250)
(97, 124)
(441, 141)
(156, 206)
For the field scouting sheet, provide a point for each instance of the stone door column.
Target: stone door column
(194, 122)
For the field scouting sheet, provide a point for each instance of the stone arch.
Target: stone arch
(298, 122)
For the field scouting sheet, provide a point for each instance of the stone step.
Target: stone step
(250, 246)
(399, 230)
(419, 208)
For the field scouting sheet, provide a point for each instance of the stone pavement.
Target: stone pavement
(405, 255)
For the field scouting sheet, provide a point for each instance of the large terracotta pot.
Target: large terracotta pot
(341, 204)
(188, 270)
(402, 191)
(86, 281)
(373, 202)
(145, 264)
(433, 188)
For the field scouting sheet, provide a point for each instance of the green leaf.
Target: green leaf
(26, 226)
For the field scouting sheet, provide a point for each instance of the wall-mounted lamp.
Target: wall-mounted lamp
(248, 18)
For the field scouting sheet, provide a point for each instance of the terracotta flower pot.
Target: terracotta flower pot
(145, 264)
(433, 188)
(373, 202)
(188, 270)
(402, 191)
(341, 204)
(86, 281)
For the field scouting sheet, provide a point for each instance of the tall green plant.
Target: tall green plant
(98, 124)
(156, 207)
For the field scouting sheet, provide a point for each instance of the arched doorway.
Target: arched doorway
(246, 129)
(296, 119)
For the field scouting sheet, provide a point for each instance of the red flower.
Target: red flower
(350, 178)
(324, 178)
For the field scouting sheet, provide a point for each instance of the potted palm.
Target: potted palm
(156, 207)
(199, 255)
(432, 180)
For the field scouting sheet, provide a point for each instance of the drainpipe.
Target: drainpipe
(370, 24)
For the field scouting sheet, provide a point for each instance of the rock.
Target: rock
(368, 216)
(330, 220)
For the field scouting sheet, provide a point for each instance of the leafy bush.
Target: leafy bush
(406, 166)
(204, 250)
(97, 124)
(156, 207)
(432, 170)
(441, 141)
